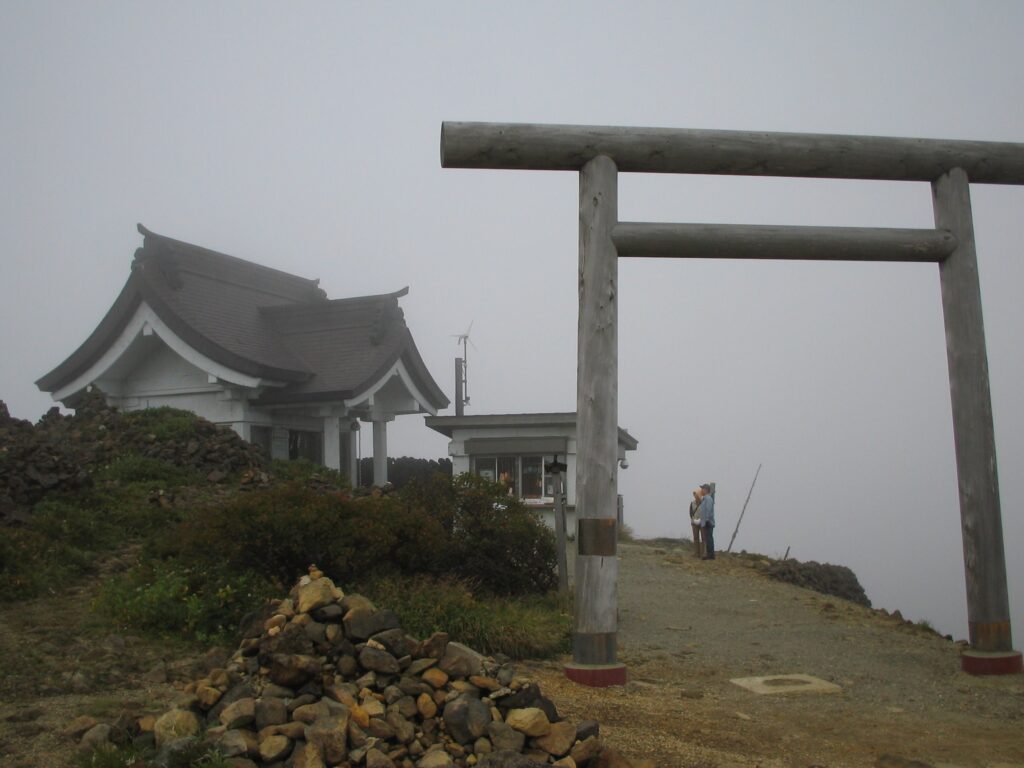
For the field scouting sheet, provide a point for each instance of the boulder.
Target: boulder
(293, 670)
(77, 728)
(461, 661)
(316, 594)
(379, 661)
(270, 711)
(425, 705)
(466, 719)
(583, 752)
(436, 677)
(96, 737)
(363, 623)
(377, 759)
(239, 713)
(174, 725)
(330, 736)
(234, 744)
(559, 740)
(434, 646)
(274, 748)
(437, 758)
(506, 759)
(530, 721)
(505, 737)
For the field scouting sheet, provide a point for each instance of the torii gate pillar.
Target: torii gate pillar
(598, 153)
(594, 660)
(988, 603)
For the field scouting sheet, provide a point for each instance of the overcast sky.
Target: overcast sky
(304, 136)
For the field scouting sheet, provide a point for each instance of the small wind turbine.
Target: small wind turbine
(461, 364)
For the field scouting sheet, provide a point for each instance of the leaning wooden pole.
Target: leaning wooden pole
(988, 604)
(594, 660)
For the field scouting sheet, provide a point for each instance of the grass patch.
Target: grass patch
(204, 602)
(163, 423)
(103, 707)
(195, 755)
(32, 564)
(535, 627)
(156, 473)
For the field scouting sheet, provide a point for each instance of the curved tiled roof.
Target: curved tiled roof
(261, 322)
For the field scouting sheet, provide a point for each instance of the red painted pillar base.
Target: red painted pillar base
(991, 662)
(596, 675)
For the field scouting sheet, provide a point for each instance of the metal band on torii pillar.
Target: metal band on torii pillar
(598, 152)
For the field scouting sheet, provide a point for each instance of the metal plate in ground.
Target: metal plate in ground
(776, 684)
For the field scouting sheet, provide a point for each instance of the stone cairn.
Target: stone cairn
(329, 680)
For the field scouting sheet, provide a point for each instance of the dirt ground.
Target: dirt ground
(686, 628)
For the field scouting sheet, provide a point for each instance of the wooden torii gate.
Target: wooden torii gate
(599, 153)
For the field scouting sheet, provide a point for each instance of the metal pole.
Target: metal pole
(560, 536)
(744, 510)
(460, 405)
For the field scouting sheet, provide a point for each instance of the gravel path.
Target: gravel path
(688, 626)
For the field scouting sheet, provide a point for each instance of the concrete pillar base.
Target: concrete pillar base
(991, 662)
(597, 675)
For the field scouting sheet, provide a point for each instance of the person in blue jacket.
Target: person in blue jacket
(707, 520)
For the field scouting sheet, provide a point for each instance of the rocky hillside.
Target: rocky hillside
(62, 452)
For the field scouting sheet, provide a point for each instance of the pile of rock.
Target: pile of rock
(102, 433)
(60, 451)
(835, 580)
(327, 679)
(31, 464)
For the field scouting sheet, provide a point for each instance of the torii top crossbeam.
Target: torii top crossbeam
(537, 147)
(598, 153)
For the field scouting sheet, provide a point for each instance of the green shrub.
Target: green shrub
(303, 470)
(538, 627)
(498, 542)
(465, 528)
(205, 603)
(279, 531)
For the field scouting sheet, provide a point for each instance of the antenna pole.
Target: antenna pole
(460, 401)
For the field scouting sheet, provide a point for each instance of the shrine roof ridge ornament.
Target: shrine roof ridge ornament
(552, 147)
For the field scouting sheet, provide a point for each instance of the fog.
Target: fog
(304, 136)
